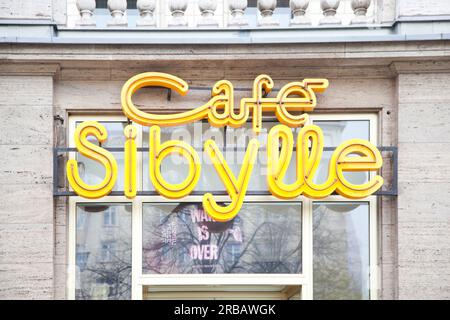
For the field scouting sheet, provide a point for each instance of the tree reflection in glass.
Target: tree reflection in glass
(103, 251)
(182, 239)
(341, 250)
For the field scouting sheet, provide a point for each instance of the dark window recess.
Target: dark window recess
(280, 3)
(103, 4)
(131, 4)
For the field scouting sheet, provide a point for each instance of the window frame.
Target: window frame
(139, 280)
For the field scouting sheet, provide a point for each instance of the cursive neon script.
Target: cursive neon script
(351, 155)
(219, 110)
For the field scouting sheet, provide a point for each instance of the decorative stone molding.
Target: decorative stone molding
(32, 69)
(178, 10)
(360, 8)
(207, 9)
(329, 9)
(118, 8)
(266, 8)
(146, 9)
(86, 9)
(237, 12)
(298, 9)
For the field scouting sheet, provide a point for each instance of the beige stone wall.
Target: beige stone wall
(26, 9)
(34, 10)
(424, 184)
(414, 8)
(26, 204)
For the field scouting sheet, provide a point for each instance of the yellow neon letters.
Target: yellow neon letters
(130, 152)
(307, 161)
(96, 153)
(236, 188)
(160, 151)
(295, 97)
(369, 159)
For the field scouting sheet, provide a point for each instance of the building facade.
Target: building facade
(65, 62)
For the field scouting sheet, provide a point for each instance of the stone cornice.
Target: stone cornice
(413, 50)
(35, 69)
(434, 66)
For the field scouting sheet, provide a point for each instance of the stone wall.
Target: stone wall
(417, 8)
(26, 9)
(34, 11)
(424, 183)
(26, 206)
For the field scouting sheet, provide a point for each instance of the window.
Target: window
(103, 259)
(103, 4)
(280, 3)
(107, 251)
(153, 247)
(82, 256)
(341, 250)
(335, 132)
(264, 238)
(110, 217)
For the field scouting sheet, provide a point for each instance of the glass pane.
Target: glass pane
(195, 134)
(239, 138)
(103, 251)
(280, 3)
(182, 239)
(341, 250)
(335, 132)
(174, 169)
(92, 172)
(131, 4)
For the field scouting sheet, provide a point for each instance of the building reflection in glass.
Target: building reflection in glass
(182, 239)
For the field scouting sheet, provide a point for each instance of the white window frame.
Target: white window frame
(139, 280)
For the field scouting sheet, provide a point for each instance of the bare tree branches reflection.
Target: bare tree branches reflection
(182, 239)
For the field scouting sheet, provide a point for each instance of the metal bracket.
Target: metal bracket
(57, 117)
(57, 151)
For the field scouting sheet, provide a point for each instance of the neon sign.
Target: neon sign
(351, 155)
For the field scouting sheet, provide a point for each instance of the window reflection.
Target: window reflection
(232, 142)
(341, 250)
(337, 131)
(181, 238)
(334, 133)
(103, 251)
(175, 168)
